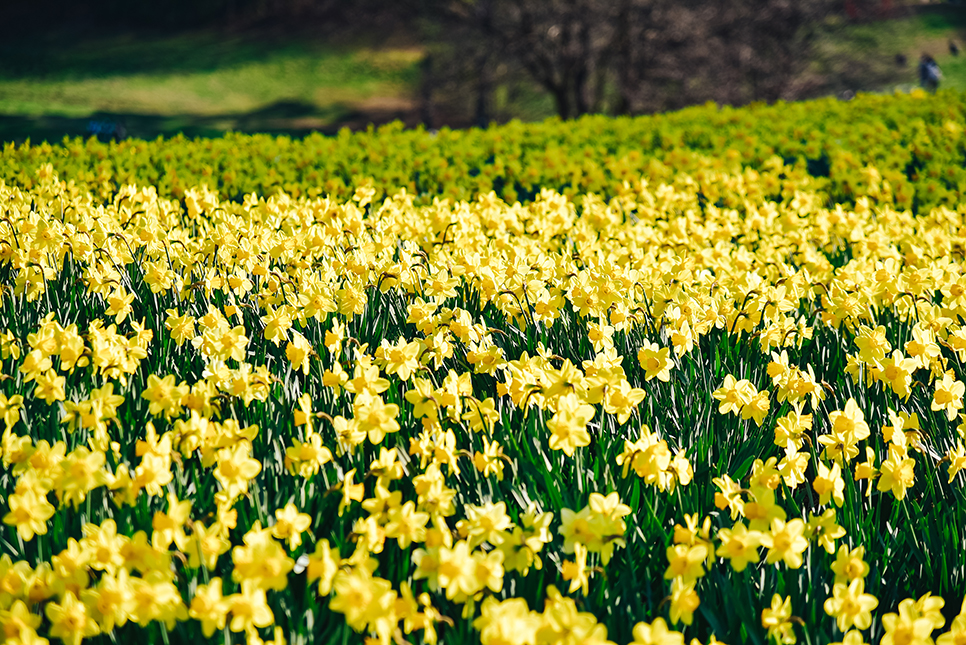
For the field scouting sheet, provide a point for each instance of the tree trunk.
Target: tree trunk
(426, 112)
(483, 90)
(582, 68)
(561, 98)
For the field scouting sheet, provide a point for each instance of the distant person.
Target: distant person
(901, 60)
(953, 48)
(929, 73)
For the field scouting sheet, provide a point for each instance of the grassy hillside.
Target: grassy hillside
(862, 57)
(205, 83)
(201, 85)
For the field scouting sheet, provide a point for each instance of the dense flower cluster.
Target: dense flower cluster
(566, 421)
(906, 149)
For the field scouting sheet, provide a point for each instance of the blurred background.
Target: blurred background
(134, 68)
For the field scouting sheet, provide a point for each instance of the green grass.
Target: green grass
(204, 82)
(863, 56)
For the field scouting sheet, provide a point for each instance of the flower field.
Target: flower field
(708, 390)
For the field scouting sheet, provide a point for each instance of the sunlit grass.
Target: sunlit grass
(863, 56)
(223, 78)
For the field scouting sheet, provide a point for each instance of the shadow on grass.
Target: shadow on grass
(65, 54)
(292, 118)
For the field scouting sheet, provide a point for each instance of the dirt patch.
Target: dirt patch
(391, 59)
(386, 104)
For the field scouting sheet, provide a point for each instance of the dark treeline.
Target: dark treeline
(633, 56)
(590, 56)
(152, 15)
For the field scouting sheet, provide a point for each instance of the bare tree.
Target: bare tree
(672, 54)
(645, 55)
(564, 45)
